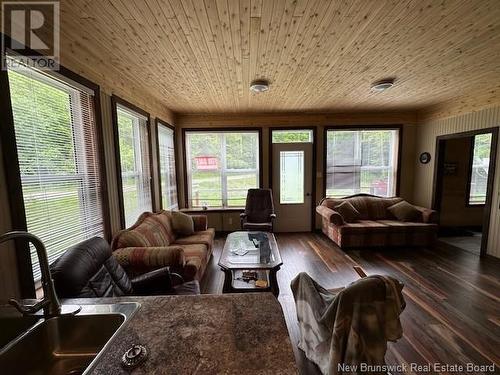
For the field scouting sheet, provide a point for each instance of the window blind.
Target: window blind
(56, 140)
(167, 167)
(361, 161)
(134, 163)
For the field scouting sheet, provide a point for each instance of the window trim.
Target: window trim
(470, 170)
(159, 122)
(115, 101)
(13, 174)
(229, 129)
(399, 150)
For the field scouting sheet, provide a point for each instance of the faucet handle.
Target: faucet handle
(28, 309)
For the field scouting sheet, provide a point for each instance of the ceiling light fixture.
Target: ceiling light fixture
(259, 86)
(382, 85)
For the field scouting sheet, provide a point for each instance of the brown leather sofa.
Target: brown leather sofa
(152, 243)
(376, 226)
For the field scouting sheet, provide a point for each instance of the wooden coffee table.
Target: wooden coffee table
(250, 251)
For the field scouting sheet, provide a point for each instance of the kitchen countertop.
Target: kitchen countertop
(204, 334)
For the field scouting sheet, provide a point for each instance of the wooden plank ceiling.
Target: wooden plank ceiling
(199, 56)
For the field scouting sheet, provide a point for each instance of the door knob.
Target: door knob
(308, 194)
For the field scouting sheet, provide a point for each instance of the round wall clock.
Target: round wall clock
(425, 157)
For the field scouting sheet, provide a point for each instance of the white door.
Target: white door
(292, 172)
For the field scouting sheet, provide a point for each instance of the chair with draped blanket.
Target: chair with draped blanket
(348, 328)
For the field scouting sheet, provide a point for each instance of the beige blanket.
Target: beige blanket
(344, 330)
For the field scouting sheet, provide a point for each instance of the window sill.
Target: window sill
(212, 210)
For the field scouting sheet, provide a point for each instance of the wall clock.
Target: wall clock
(425, 157)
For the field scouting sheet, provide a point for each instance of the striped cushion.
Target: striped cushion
(149, 230)
(205, 237)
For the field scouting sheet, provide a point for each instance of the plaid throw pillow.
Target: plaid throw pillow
(404, 211)
(347, 211)
(182, 223)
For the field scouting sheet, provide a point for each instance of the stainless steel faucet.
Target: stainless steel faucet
(49, 302)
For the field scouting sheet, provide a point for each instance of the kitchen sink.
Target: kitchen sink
(13, 325)
(66, 344)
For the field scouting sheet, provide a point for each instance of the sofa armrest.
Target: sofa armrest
(332, 216)
(200, 222)
(428, 215)
(150, 257)
(152, 283)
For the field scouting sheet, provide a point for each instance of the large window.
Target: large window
(166, 159)
(221, 167)
(134, 161)
(361, 161)
(56, 139)
(479, 169)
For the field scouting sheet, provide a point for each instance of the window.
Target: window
(361, 161)
(291, 177)
(56, 140)
(292, 136)
(134, 162)
(166, 159)
(478, 177)
(221, 167)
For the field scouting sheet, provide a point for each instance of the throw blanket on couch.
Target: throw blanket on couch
(344, 329)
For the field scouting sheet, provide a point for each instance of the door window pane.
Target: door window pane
(361, 161)
(291, 177)
(479, 170)
(292, 136)
(221, 167)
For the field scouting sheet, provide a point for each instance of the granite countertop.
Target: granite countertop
(204, 334)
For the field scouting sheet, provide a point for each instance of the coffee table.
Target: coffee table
(250, 251)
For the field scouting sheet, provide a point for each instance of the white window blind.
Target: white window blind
(221, 167)
(361, 161)
(58, 160)
(167, 167)
(134, 162)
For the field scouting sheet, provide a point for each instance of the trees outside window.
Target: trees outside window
(478, 175)
(133, 148)
(221, 167)
(166, 159)
(56, 141)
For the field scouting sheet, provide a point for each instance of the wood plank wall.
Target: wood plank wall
(428, 131)
(407, 119)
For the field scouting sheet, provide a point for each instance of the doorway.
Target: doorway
(464, 175)
(292, 178)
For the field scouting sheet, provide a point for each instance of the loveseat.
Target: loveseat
(375, 225)
(152, 243)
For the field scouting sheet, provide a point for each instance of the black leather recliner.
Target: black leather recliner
(89, 270)
(259, 211)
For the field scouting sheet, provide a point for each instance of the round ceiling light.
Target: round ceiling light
(382, 85)
(259, 86)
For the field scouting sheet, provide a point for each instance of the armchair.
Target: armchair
(259, 211)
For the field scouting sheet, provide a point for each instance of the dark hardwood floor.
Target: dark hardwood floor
(452, 314)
